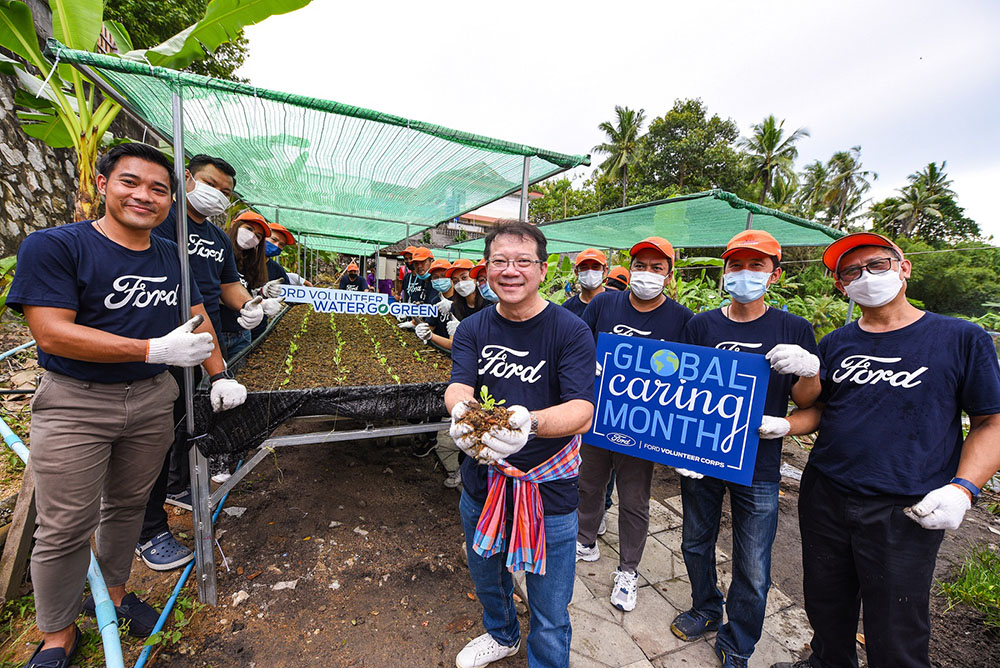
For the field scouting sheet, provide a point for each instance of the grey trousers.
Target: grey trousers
(96, 449)
(634, 479)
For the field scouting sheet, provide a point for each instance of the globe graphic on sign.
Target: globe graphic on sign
(665, 362)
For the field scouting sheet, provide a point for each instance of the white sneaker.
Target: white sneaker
(454, 479)
(603, 529)
(584, 553)
(623, 595)
(483, 651)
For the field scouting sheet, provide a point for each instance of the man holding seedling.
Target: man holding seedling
(890, 471)
(539, 360)
(747, 324)
(101, 298)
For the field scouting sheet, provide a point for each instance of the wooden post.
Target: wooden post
(18, 545)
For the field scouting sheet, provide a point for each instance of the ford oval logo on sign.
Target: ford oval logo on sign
(622, 439)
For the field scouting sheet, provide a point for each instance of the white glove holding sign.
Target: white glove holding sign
(181, 347)
(251, 314)
(460, 432)
(272, 289)
(500, 442)
(271, 307)
(227, 393)
(688, 473)
(406, 324)
(942, 508)
(424, 332)
(444, 306)
(773, 427)
(788, 358)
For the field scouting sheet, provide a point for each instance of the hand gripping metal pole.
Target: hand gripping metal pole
(203, 532)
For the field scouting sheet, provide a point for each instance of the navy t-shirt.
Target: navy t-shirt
(211, 257)
(894, 401)
(112, 288)
(539, 363)
(418, 291)
(275, 270)
(576, 305)
(357, 284)
(714, 330)
(613, 312)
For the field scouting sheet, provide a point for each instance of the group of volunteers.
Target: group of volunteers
(890, 470)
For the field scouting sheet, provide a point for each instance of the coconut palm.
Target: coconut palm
(934, 178)
(848, 182)
(620, 147)
(815, 182)
(771, 153)
(916, 201)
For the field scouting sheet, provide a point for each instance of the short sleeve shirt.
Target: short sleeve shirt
(575, 305)
(358, 284)
(418, 291)
(130, 293)
(612, 312)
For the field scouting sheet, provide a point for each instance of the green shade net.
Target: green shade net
(315, 242)
(704, 220)
(370, 176)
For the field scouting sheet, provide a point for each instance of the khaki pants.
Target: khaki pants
(96, 450)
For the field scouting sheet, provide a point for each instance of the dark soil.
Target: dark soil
(340, 350)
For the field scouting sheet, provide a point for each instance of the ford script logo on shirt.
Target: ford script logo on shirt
(494, 360)
(858, 369)
(737, 346)
(132, 290)
(625, 330)
(201, 248)
(621, 439)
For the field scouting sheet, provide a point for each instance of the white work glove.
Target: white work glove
(403, 319)
(452, 325)
(773, 427)
(407, 324)
(227, 393)
(444, 306)
(271, 306)
(942, 508)
(600, 369)
(500, 442)
(181, 346)
(460, 432)
(688, 473)
(788, 358)
(251, 314)
(424, 332)
(272, 289)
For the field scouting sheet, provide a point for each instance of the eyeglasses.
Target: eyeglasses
(879, 266)
(500, 264)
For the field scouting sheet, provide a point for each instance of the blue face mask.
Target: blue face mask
(441, 284)
(271, 250)
(424, 277)
(746, 286)
(487, 292)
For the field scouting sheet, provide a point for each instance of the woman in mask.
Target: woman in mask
(644, 311)
(478, 274)
(435, 330)
(248, 233)
(591, 268)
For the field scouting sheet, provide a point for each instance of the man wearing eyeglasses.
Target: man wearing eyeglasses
(539, 359)
(890, 470)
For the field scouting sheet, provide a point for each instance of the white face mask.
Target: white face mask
(246, 239)
(646, 285)
(590, 279)
(206, 200)
(874, 290)
(465, 288)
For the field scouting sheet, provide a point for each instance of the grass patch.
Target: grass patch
(978, 584)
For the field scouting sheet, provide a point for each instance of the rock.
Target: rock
(334, 524)
(234, 511)
(239, 597)
(360, 531)
(286, 584)
(335, 585)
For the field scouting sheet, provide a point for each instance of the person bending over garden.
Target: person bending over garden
(247, 233)
(539, 359)
(890, 470)
(646, 312)
(591, 268)
(747, 324)
(101, 298)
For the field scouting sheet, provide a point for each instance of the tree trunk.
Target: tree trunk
(624, 184)
(87, 203)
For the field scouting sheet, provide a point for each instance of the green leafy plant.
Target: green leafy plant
(978, 584)
(487, 401)
(184, 611)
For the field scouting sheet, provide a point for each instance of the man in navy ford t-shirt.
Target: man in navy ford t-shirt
(591, 268)
(539, 359)
(890, 470)
(643, 311)
(752, 264)
(101, 298)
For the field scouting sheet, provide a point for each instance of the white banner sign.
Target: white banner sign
(328, 300)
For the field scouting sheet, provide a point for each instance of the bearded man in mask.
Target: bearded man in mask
(591, 268)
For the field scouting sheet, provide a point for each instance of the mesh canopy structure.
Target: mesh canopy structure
(703, 220)
(337, 168)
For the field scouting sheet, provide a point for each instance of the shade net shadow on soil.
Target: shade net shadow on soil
(346, 366)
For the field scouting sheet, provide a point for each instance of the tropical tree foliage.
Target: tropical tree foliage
(846, 186)
(925, 209)
(621, 142)
(771, 154)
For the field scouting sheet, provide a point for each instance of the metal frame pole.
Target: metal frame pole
(749, 220)
(523, 217)
(203, 531)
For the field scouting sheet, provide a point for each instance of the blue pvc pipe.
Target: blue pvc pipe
(13, 351)
(107, 620)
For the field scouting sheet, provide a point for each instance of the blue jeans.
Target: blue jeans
(548, 595)
(755, 522)
(234, 342)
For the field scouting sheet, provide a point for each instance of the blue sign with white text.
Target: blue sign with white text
(687, 406)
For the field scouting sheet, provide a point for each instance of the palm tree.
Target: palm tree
(771, 153)
(815, 182)
(916, 202)
(933, 177)
(620, 147)
(847, 183)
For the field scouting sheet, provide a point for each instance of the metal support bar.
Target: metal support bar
(330, 213)
(105, 88)
(749, 220)
(525, 176)
(850, 312)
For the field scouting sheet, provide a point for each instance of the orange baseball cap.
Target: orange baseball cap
(476, 271)
(440, 264)
(422, 253)
(836, 250)
(590, 254)
(754, 240)
(289, 239)
(656, 243)
(460, 263)
(352, 266)
(255, 218)
(619, 274)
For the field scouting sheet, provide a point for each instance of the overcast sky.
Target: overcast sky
(910, 82)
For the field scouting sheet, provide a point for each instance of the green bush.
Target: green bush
(978, 584)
